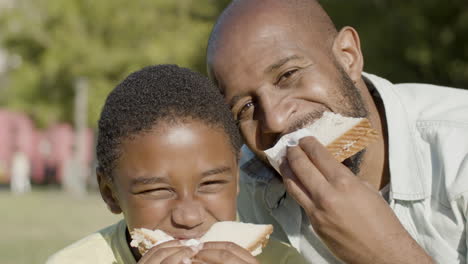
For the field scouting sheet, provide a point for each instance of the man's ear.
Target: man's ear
(347, 50)
(107, 192)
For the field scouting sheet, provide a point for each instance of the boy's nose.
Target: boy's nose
(188, 214)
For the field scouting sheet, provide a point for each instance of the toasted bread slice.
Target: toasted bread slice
(352, 141)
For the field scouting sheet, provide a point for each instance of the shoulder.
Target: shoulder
(434, 103)
(281, 253)
(438, 117)
(93, 248)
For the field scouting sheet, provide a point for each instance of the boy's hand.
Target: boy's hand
(171, 252)
(224, 253)
(350, 216)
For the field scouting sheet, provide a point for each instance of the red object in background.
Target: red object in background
(37, 158)
(61, 141)
(6, 145)
(48, 151)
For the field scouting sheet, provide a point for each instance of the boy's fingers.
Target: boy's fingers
(168, 255)
(182, 256)
(217, 256)
(161, 251)
(232, 247)
(225, 252)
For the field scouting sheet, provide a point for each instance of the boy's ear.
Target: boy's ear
(107, 192)
(347, 50)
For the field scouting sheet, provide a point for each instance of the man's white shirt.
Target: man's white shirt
(428, 159)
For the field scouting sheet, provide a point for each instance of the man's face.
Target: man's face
(278, 80)
(180, 179)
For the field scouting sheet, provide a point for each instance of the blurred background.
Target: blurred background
(59, 59)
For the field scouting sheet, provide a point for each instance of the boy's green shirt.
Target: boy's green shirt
(109, 246)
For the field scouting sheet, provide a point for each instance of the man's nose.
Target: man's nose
(275, 111)
(188, 214)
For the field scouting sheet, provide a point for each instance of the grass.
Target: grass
(35, 225)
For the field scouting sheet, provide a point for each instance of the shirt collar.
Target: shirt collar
(406, 178)
(253, 167)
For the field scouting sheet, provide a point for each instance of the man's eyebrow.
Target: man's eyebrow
(281, 62)
(216, 171)
(149, 180)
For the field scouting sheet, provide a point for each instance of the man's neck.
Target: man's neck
(374, 167)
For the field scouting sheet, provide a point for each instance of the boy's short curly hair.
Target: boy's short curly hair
(154, 94)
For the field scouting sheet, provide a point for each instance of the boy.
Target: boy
(168, 152)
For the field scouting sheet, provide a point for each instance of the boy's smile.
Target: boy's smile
(180, 178)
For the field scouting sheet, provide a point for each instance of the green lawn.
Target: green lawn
(35, 225)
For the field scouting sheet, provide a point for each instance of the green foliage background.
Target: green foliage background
(60, 41)
(410, 40)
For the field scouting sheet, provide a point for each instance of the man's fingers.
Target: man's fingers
(295, 188)
(305, 171)
(224, 252)
(324, 161)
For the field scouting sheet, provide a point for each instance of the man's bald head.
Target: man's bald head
(304, 16)
(280, 64)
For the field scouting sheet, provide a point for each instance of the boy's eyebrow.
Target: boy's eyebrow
(215, 171)
(148, 180)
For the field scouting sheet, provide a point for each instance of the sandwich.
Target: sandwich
(342, 136)
(252, 237)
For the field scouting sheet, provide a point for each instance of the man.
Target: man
(404, 199)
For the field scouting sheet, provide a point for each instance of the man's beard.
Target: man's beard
(357, 109)
(354, 106)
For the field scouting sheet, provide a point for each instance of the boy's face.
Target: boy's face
(179, 178)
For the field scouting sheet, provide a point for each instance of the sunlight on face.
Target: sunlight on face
(179, 178)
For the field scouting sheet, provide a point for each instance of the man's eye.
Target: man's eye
(287, 75)
(245, 111)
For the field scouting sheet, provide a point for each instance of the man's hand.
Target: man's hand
(224, 253)
(350, 217)
(171, 252)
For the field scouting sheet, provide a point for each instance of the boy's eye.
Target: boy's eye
(160, 193)
(211, 186)
(246, 110)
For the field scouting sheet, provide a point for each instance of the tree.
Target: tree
(410, 41)
(59, 42)
(103, 41)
